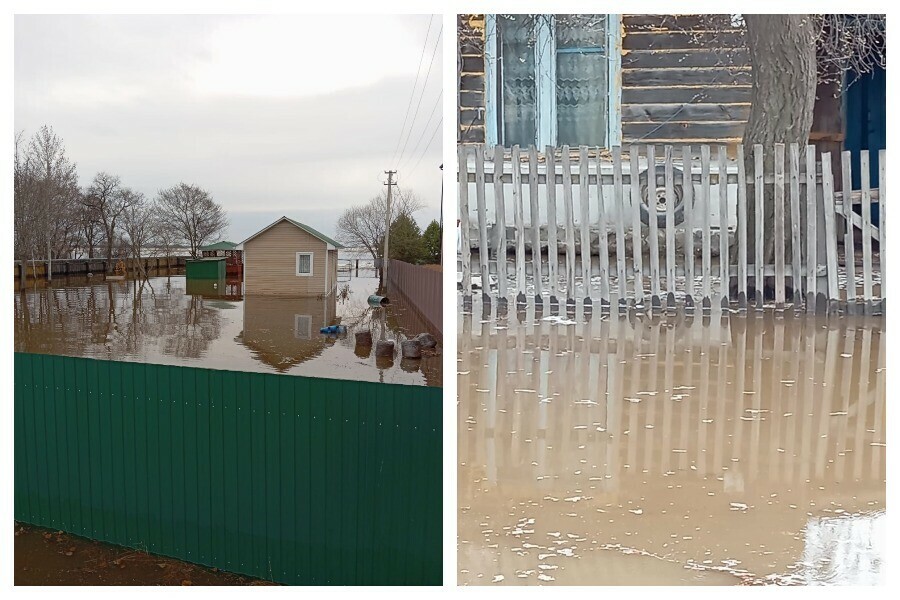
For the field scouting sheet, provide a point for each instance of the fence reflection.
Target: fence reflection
(742, 399)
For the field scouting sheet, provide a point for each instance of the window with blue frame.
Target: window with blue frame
(549, 80)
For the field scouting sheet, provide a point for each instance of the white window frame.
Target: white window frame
(546, 77)
(306, 331)
(311, 264)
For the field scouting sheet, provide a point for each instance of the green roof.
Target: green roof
(223, 245)
(315, 233)
(306, 228)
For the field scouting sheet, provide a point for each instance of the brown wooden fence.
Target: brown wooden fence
(522, 211)
(82, 266)
(421, 287)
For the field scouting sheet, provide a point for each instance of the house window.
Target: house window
(303, 327)
(304, 264)
(548, 80)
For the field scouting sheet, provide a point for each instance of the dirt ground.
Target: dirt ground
(47, 557)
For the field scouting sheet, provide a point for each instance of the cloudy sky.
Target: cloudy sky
(274, 115)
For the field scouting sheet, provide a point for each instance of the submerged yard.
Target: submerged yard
(168, 320)
(670, 449)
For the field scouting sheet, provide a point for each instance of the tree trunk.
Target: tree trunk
(782, 51)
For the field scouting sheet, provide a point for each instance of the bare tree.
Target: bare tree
(165, 236)
(45, 197)
(193, 214)
(138, 229)
(363, 226)
(89, 231)
(105, 200)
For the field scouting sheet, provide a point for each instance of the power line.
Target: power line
(427, 146)
(412, 93)
(427, 125)
(422, 94)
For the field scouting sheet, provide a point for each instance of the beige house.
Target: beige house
(288, 258)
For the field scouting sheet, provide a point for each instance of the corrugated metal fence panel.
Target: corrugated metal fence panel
(422, 287)
(293, 479)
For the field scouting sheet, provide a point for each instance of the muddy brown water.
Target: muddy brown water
(669, 450)
(168, 320)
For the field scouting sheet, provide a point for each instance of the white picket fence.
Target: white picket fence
(522, 212)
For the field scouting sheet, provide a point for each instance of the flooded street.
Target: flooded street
(168, 320)
(670, 450)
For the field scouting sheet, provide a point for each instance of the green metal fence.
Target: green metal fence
(294, 479)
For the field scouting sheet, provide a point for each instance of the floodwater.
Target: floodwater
(168, 320)
(670, 450)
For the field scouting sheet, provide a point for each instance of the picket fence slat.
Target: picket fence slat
(465, 243)
(779, 225)
(812, 249)
(723, 228)
(688, 203)
(758, 230)
(866, 221)
(796, 249)
(742, 228)
(847, 212)
(830, 233)
(518, 211)
(552, 243)
(637, 238)
(670, 228)
(500, 225)
(619, 204)
(817, 269)
(482, 219)
(535, 221)
(585, 205)
(570, 222)
(603, 246)
(705, 193)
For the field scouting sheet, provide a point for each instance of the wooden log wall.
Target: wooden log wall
(681, 82)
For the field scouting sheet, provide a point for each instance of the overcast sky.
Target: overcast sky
(273, 115)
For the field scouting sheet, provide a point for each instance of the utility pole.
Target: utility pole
(387, 227)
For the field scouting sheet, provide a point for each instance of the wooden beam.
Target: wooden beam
(650, 113)
(697, 93)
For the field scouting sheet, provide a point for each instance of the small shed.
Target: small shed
(233, 254)
(288, 258)
(205, 268)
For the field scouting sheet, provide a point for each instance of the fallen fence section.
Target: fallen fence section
(582, 225)
(293, 479)
(422, 287)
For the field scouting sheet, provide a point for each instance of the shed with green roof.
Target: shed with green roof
(289, 258)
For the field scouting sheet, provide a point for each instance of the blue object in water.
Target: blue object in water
(333, 329)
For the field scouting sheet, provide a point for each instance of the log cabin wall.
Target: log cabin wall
(679, 83)
(470, 68)
(682, 82)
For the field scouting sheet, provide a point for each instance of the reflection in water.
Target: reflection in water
(284, 332)
(670, 450)
(165, 320)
